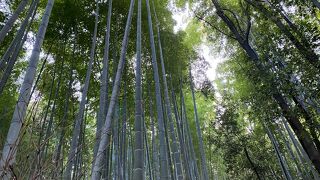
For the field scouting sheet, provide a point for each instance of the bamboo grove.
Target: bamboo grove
(110, 90)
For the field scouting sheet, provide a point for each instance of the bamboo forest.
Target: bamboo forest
(160, 89)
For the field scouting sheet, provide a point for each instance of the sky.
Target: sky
(183, 16)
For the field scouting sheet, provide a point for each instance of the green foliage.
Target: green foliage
(193, 34)
(232, 110)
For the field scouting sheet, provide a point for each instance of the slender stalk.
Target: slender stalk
(172, 173)
(9, 24)
(103, 81)
(202, 152)
(57, 159)
(283, 165)
(12, 141)
(316, 3)
(40, 72)
(299, 148)
(42, 123)
(147, 146)
(79, 119)
(104, 142)
(175, 145)
(297, 165)
(155, 156)
(180, 136)
(116, 141)
(124, 135)
(15, 46)
(138, 164)
(164, 174)
(303, 136)
(189, 143)
(53, 112)
(251, 162)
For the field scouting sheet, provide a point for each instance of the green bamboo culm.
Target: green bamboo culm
(74, 147)
(138, 164)
(103, 99)
(12, 141)
(106, 129)
(200, 140)
(164, 170)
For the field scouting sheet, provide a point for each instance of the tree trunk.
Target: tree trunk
(301, 133)
(123, 142)
(292, 156)
(179, 129)
(174, 144)
(202, 150)
(116, 141)
(252, 164)
(172, 174)
(304, 47)
(282, 162)
(53, 111)
(42, 123)
(10, 147)
(300, 103)
(14, 48)
(138, 164)
(103, 81)
(9, 24)
(40, 72)
(11, 64)
(57, 158)
(302, 161)
(311, 124)
(130, 157)
(164, 174)
(147, 146)
(155, 157)
(188, 139)
(300, 149)
(105, 134)
(296, 125)
(79, 119)
(316, 3)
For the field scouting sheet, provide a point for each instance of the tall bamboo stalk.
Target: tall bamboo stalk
(104, 142)
(74, 147)
(201, 146)
(138, 164)
(12, 141)
(180, 136)
(103, 100)
(188, 139)
(9, 24)
(155, 156)
(282, 163)
(164, 174)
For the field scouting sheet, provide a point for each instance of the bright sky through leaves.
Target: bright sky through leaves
(183, 16)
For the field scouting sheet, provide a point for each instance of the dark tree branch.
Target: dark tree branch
(200, 18)
(316, 3)
(247, 13)
(251, 162)
(235, 17)
(228, 22)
